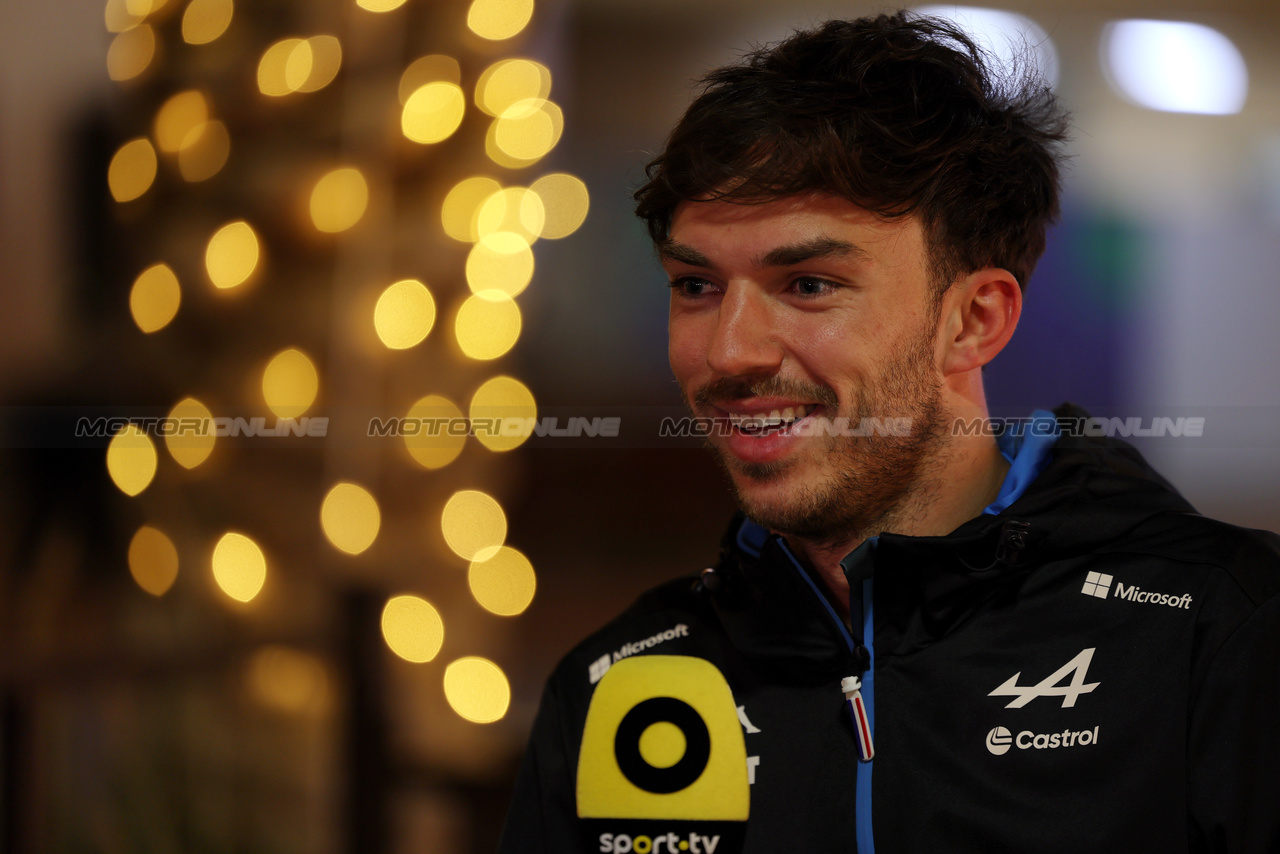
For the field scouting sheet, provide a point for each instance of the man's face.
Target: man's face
(791, 321)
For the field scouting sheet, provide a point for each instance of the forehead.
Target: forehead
(715, 227)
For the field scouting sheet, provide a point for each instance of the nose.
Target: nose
(746, 337)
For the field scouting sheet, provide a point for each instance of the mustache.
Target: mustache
(727, 389)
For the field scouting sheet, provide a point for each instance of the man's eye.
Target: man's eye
(808, 286)
(691, 287)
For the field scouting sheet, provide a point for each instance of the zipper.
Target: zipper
(852, 687)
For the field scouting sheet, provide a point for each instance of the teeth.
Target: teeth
(775, 418)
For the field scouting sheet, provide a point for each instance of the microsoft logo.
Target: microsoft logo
(596, 671)
(1097, 584)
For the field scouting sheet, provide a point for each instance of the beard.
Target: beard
(864, 479)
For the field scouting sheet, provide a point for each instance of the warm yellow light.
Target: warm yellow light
(131, 52)
(434, 431)
(131, 459)
(435, 68)
(380, 5)
(232, 254)
(204, 151)
(508, 402)
(239, 566)
(313, 64)
(488, 325)
(119, 17)
(504, 584)
(192, 438)
(180, 115)
(510, 81)
(132, 170)
(461, 209)
(515, 209)
(153, 561)
(339, 199)
(433, 112)
(205, 20)
(404, 314)
(142, 8)
(272, 67)
(287, 680)
(290, 383)
(527, 130)
(564, 204)
(350, 518)
(154, 298)
(474, 525)
(502, 262)
(412, 628)
(477, 689)
(499, 19)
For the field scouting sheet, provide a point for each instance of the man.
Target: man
(918, 637)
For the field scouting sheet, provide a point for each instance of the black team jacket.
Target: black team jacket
(1094, 669)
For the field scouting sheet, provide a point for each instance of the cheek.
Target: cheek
(686, 347)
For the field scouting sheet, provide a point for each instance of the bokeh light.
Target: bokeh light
(435, 68)
(131, 53)
(504, 583)
(412, 628)
(205, 20)
(232, 254)
(435, 431)
(177, 117)
(515, 209)
(239, 566)
(1175, 66)
(477, 689)
(273, 78)
(204, 151)
(404, 314)
(488, 325)
(510, 81)
(506, 401)
(502, 261)
(287, 680)
(350, 518)
(565, 202)
(380, 5)
(132, 170)
(499, 19)
(290, 383)
(313, 64)
(1011, 40)
(473, 524)
(120, 17)
(339, 199)
(153, 560)
(131, 459)
(460, 212)
(527, 130)
(433, 112)
(154, 298)
(193, 439)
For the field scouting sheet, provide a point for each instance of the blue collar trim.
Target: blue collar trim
(1027, 450)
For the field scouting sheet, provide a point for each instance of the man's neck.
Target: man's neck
(955, 488)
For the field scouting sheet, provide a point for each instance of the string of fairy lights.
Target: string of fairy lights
(500, 223)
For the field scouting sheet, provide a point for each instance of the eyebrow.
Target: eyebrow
(781, 256)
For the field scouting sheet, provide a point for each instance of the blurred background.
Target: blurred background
(323, 227)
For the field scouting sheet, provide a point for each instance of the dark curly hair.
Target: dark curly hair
(899, 114)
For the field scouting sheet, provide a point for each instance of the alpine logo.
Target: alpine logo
(1078, 667)
(1000, 739)
(1099, 584)
(597, 668)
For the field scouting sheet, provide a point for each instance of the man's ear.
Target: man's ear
(979, 315)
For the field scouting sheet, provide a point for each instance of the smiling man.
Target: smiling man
(918, 636)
